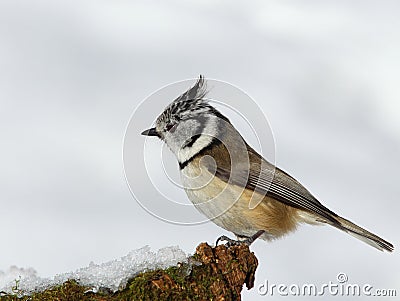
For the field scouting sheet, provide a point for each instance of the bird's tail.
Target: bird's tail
(362, 234)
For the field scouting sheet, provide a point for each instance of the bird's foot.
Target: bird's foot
(229, 241)
(232, 242)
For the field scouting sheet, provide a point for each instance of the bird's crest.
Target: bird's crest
(190, 103)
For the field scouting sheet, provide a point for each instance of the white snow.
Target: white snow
(112, 274)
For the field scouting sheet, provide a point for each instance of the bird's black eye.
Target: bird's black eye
(169, 127)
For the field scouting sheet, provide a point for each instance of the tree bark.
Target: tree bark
(212, 273)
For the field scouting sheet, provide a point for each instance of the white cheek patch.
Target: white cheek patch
(191, 136)
(177, 138)
(188, 152)
(187, 129)
(207, 134)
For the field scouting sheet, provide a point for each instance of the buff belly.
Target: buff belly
(237, 209)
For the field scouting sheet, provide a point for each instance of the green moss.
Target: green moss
(69, 290)
(182, 282)
(197, 281)
(140, 287)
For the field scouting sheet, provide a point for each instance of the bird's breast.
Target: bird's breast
(232, 206)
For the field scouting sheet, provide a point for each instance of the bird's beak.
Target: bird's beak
(150, 132)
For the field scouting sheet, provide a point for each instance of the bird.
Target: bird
(232, 184)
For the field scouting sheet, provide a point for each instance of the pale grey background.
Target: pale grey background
(325, 73)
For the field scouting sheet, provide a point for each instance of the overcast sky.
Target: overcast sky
(325, 75)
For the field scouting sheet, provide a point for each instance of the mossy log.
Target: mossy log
(212, 273)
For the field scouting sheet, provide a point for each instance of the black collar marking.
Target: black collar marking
(214, 142)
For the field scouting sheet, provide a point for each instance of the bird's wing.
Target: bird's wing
(259, 175)
(271, 181)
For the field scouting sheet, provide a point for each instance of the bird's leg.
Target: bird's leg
(248, 241)
(252, 238)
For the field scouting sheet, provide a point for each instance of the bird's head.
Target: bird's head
(189, 123)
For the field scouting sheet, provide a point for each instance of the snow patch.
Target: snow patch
(112, 275)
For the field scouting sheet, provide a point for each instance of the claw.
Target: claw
(232, 242)
(229, 241)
